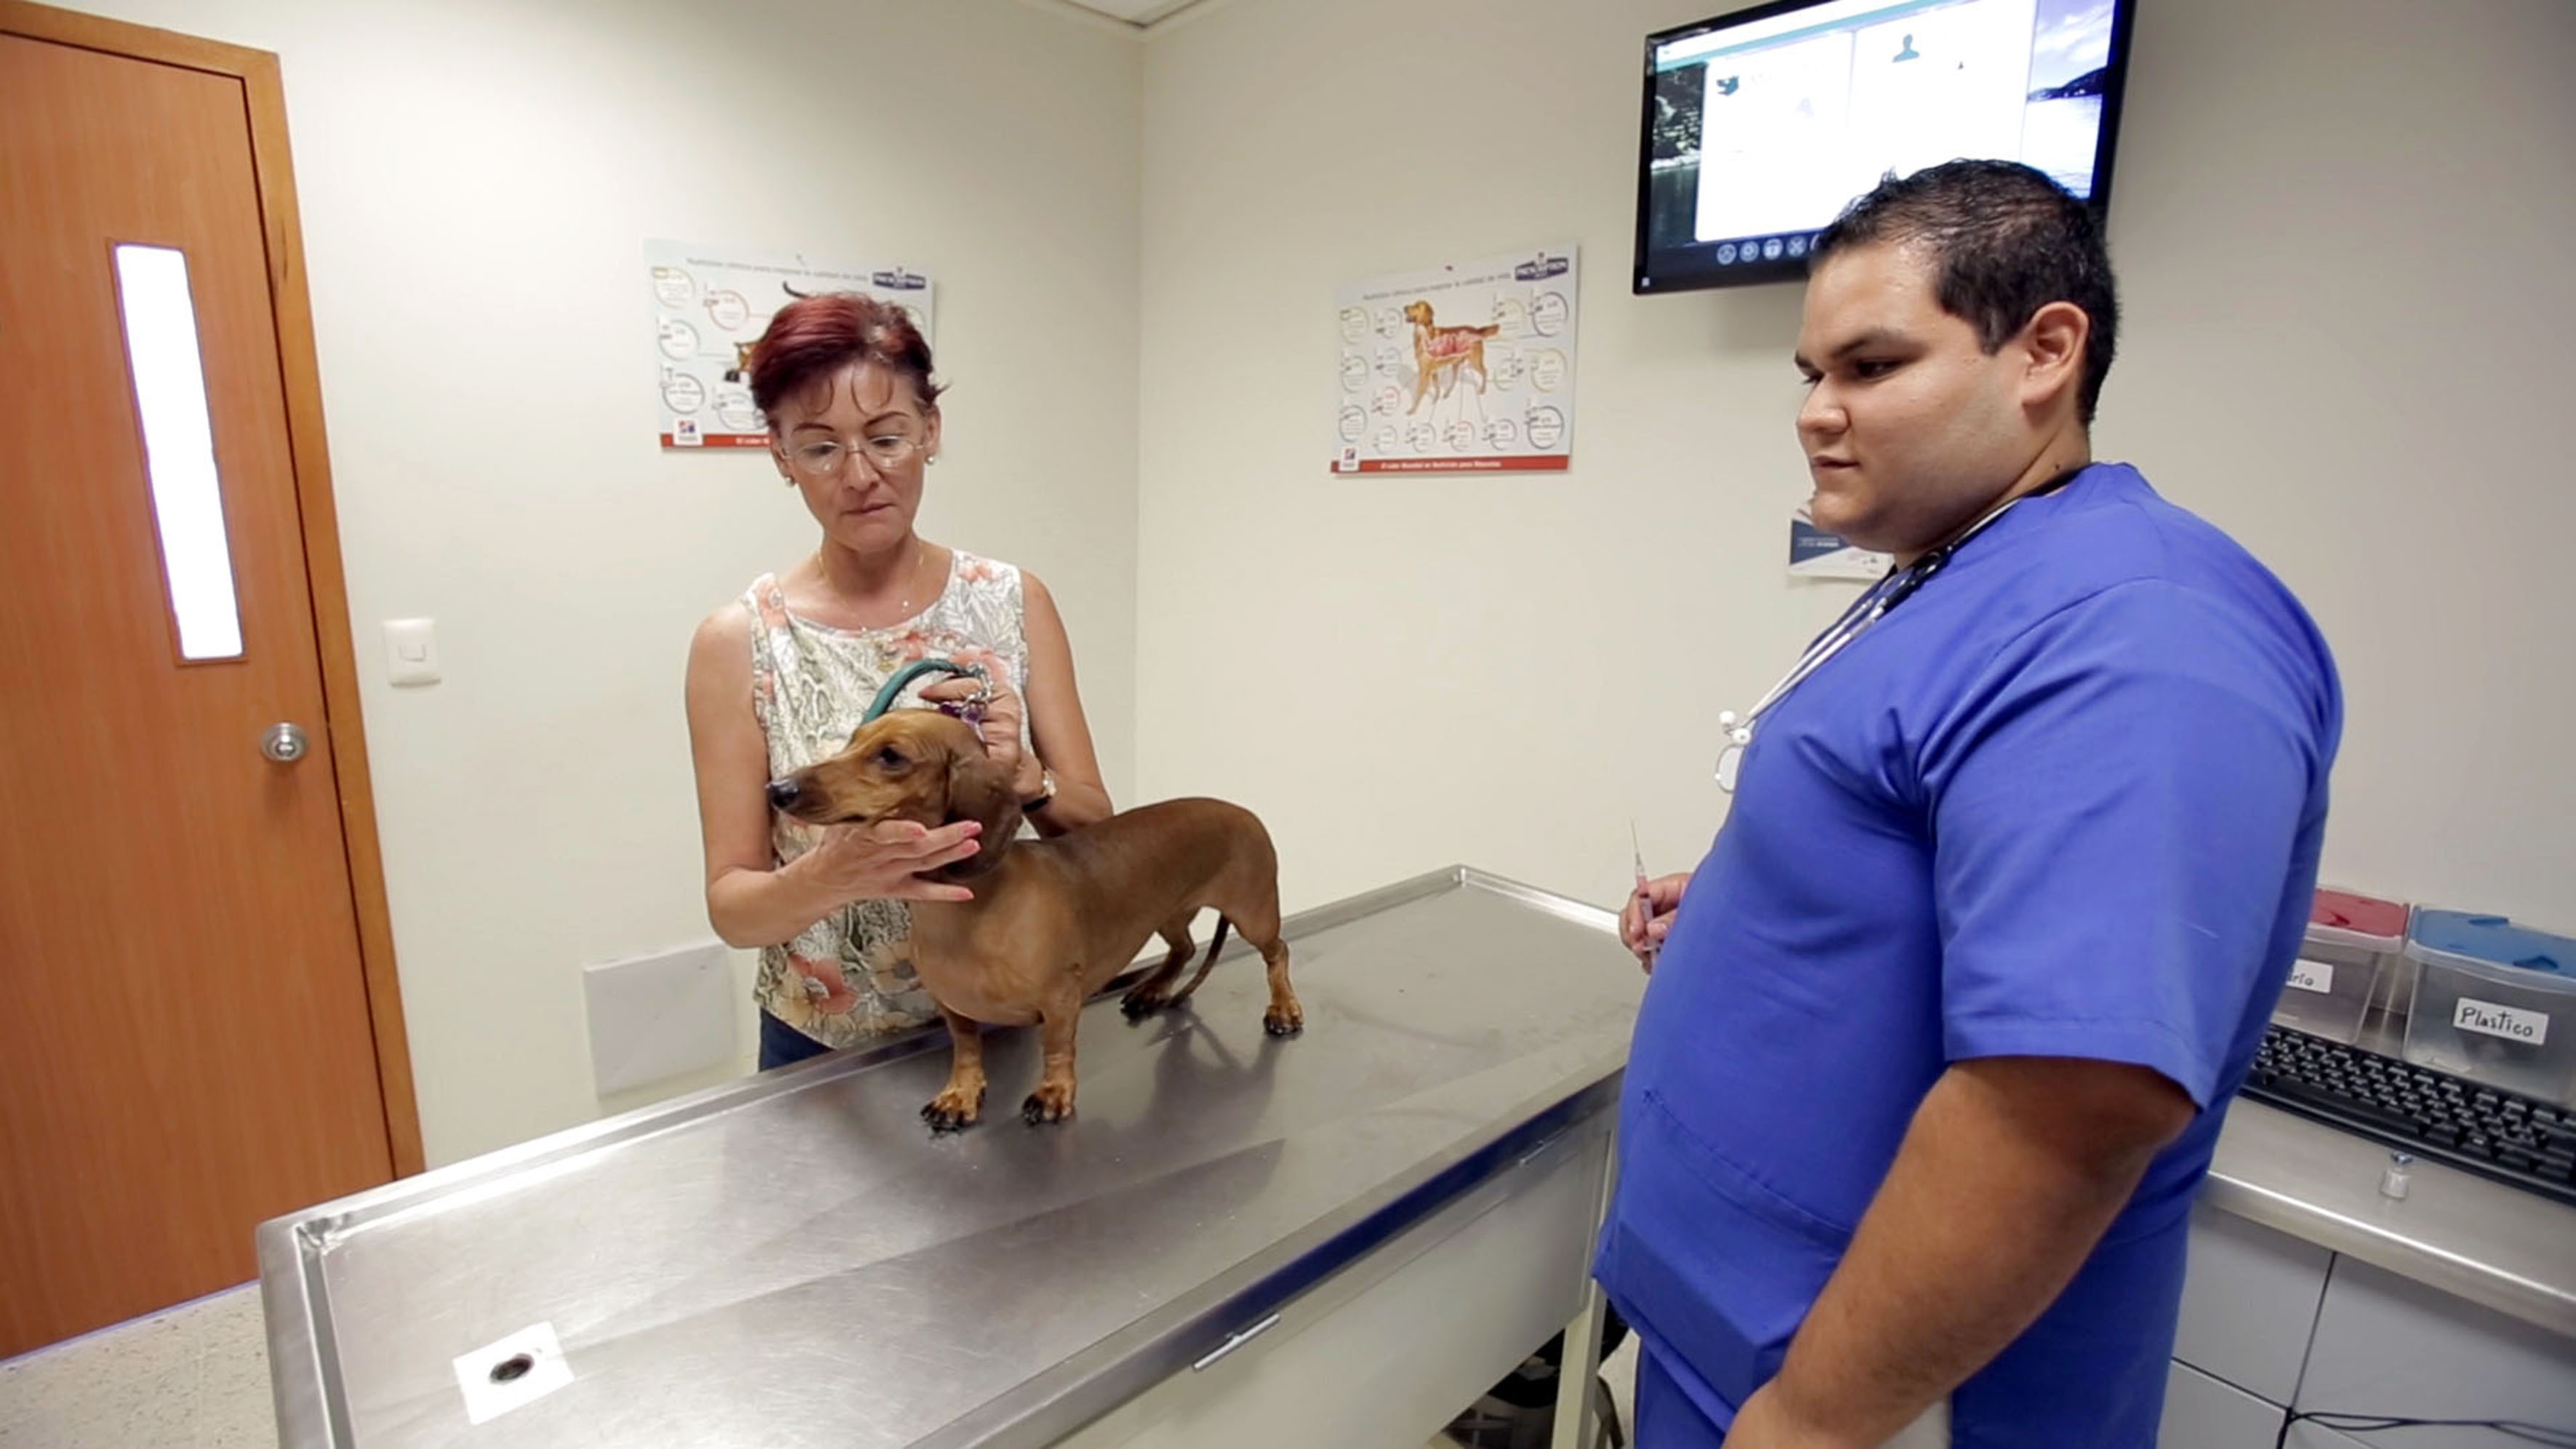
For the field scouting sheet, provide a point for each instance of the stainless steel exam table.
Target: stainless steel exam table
(1339, 1239)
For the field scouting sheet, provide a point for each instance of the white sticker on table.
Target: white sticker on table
(2512, 1023)
(2317, 976)
(513, 1372)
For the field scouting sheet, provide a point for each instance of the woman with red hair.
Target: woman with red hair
(779, 677)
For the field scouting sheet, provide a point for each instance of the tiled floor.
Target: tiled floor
(194, 1377)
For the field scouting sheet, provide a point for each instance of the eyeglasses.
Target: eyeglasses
(825, 457)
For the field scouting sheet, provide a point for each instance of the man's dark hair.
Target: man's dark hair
(2006, 241)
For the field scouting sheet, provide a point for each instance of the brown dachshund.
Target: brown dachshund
(1053, 919)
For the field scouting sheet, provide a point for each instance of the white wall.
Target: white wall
(2345, 237)
(2342, 226)
(477, 178)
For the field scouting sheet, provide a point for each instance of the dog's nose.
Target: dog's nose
(783, 793)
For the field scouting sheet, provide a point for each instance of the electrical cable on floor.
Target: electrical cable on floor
(2544, 1434)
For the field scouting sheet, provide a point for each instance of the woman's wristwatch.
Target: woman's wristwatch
(1045, 795)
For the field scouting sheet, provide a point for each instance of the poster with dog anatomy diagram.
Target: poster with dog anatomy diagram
(710, 303)
(1460, 369)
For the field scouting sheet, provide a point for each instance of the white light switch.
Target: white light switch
(411, 651)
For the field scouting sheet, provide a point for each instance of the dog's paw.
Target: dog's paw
(953, 1111)
(1140, 1003)
(1051, 1102)
(1284, 1020)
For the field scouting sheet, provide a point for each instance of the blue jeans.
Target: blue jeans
(782, 1045)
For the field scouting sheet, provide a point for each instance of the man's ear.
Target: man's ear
(979, 789)
(2054, 340)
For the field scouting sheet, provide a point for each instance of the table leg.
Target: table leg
(1580, 1362)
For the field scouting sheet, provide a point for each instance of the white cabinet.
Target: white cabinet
(2389, 1345)
(2271, 1320)
(2202, 1413)
(2249, 1301)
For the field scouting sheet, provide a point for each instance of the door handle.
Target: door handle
(284, 743)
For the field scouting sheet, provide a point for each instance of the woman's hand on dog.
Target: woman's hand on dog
(1648, 917)
(1004, 712)
(884, 861)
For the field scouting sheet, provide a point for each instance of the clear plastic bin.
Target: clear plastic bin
(2494, 1001)
(2350, 941)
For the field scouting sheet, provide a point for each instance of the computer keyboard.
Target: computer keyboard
(2518, 1140)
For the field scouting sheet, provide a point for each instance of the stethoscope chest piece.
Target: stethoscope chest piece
(1873, 605)
(1730, 758)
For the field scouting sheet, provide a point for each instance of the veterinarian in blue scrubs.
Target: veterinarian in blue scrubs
(1941, 1032)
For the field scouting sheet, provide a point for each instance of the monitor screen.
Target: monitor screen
(1762, 125)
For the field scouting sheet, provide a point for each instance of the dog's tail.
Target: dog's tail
(1489, 329)
(1215, 945)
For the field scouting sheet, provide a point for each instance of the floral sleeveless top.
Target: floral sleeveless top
(848, 978)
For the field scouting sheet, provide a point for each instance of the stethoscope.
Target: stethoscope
(1880, 600)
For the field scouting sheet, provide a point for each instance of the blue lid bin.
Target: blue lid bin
(2494, 1001)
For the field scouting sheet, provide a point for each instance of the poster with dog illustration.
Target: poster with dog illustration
(1466, 368)
(711, 303)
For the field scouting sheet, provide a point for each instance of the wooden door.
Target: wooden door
(187, 1040)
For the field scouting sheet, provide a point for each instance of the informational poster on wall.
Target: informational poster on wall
(1460, 369)
(1817, 554)
(711, 303)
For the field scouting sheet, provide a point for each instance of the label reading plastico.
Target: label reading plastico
(2315, 976)
(2512, 1023)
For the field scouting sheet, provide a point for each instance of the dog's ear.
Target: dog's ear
(979, 789)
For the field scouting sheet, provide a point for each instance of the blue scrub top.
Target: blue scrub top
(2067, 800)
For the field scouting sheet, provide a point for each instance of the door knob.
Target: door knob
(284, 743)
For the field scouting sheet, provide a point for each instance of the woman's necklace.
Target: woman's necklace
(911, 576)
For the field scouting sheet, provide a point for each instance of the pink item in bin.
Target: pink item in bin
(2365, 922)
(2350, 941)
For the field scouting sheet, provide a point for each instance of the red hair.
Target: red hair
(813, 338)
